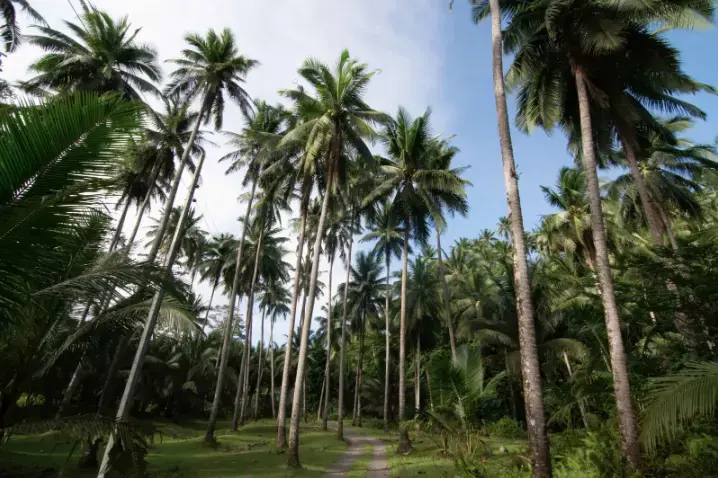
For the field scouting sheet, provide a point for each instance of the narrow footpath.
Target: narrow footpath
(378, 466)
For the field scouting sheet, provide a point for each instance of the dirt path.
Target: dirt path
(378, 467)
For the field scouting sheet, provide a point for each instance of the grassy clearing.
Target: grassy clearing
(181, 453)
(428, 460)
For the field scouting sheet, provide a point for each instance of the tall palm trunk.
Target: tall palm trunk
(141, 211)
(271, 366)
(387, 369)
(619, 367)
(259, 368)
(224, 354)
(530, 368)
(327, 371)
(649, 209)
(206, 315)
(356, 419)
(120, 226)
(417, 375)
(128, 396)
(243, 385)
(281, 442)
(447, 297)
(293, 451)
(667, 225)
(404, 442)
(343, 345)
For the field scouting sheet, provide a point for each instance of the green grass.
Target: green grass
(181, 453)
(427, 460)
(361, 467)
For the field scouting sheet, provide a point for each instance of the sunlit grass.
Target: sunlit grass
(179, 452)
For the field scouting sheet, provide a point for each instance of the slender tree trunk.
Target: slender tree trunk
(328, 370)
(110, 381)
(293, 451)
(321, 398)
(224, 354)
(646, 200)
(535, 415)
(140, 213)
(356, 420)
(281, 442)
(343, 345)
(581, 406)
(71, 387)
(271, 366)
(259, 369)
(447, 297)
(428, 384)
(619, 367)
(120, 225)
(667, 225)
(128, 396)
(417, 371)
(387, 338)
(404, 446)
(244, 384)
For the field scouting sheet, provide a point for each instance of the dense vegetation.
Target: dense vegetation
(596, 327)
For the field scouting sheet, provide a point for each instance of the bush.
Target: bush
(506, 428)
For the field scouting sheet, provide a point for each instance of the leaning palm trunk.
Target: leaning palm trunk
(128, 396)
(120, 225)
(356, 419)
(224, 354)
(293, 452)
(417, 376)
(646, 200)
(259, 369)
(530, 368)
(243, 385)
(404, 442)
(141, 211)
(327, 370)
(387, 369)
(281, 441)
(581, 405)
(271, 366)
(619, 367)
(447, 297)
(343, 346)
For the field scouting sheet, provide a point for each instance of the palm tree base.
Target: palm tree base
(404, 447)
(293, 460)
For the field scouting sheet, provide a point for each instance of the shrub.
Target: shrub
(506, 428)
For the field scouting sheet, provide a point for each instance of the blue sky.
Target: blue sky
(427, 56)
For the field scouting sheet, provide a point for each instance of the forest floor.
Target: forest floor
(178, 451)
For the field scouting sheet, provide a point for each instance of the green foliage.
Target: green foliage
(505, 427)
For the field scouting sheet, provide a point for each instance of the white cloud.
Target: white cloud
(400, 38)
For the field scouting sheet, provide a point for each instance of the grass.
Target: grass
(361, 467)
(181, 453)
(427, 460)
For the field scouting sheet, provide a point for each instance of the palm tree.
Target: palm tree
(453, 203)
(336, 119)
(334, 240)
(275, 302)
(215, 258)
(535, 415)
(586, 65)
(415, 186)
(389, 239)
(10, 31)
(191, 228)
(365, 291)
(210, 67)
(105, 56)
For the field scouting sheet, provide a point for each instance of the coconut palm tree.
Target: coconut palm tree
(335, 120)
(275, 301)
(389, 237)
(211, 66)
(365, 294)
(535, 415)
(103, 57)
(414, 185)
(10, 30)
(215, 258)
(452, 203)
(583, 60)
